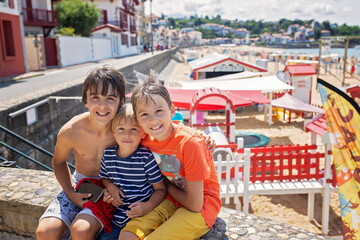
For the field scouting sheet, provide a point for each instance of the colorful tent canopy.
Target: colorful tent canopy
(302, 69)
(182, 98)
(354, 91)
(289, 102)
(263, 84)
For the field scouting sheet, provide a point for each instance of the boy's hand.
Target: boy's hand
(138, 209)
(210, 143)
(79, 198)
(112, 195)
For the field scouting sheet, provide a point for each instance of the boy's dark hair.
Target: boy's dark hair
(104, 77)
(144, 91)
(125, 113)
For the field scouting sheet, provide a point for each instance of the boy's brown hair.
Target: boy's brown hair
(144, 91)
(105, 77)
(125, 113)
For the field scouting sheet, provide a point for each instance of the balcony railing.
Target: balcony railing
(40, 17)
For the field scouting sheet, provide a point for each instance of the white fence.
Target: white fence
(76, 50)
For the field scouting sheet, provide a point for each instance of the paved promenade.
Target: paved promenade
(30, 85)
(28, 192)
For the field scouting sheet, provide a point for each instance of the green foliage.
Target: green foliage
(317, 34)
(66, 31)
(207, 33)
(258, 27)
(346, 30)
(83, 17)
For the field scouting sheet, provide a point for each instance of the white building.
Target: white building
(118, 24)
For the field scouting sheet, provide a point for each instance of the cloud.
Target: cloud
(269, 10)
(346, 10)
(296, 8)
(323, 8)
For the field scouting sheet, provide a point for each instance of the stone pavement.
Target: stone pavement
(24, 195)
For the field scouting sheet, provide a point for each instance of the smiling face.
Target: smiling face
(128, 135)
(154, 116)
(102, 108)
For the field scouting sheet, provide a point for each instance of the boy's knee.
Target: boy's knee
(49, 230)
(82, 229)
(79, 230)
(128, 236)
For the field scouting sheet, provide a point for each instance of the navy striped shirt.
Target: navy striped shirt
(133, 175)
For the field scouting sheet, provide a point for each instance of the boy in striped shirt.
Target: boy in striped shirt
(133, 169)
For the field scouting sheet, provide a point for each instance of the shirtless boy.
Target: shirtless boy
(88, 135)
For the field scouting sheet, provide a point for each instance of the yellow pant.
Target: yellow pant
(168, 222)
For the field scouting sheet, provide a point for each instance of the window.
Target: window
(124, 39)
(124, 20)
(133, 41)
(8, 39)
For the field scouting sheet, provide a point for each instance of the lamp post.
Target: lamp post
(152, 40)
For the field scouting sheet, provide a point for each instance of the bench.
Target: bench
(275, 170)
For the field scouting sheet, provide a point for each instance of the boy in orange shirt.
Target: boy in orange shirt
(193, 200)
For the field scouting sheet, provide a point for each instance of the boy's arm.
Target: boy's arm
(192, 198)
(114, 193)
(62, 152)
(139, 209)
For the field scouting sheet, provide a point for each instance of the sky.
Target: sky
(335, 11)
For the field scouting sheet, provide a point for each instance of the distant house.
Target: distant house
(293, 28)
(220, 29)
(266, 37)
(286, 39)
(315, 24)
(162, 22)
(300, 37)
(241, 32)
(276, 38)
(119, 25)
(211, 26)
(215, 65)
(188, 29)
(325, 33)
(195, 37)
(222, 40)
(310, 32)
(12, 57)
(174, 37)
(302, 29)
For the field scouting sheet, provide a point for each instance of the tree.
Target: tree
(83, 17)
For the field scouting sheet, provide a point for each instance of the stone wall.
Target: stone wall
(25, 194)
(55, 113)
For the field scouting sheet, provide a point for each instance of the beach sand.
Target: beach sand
(290, 209)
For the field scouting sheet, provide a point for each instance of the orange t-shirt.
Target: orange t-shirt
(184, 155)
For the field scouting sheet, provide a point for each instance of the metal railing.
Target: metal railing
(40, 17)
(6, 162)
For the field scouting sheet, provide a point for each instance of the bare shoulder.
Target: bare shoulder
(74, 127)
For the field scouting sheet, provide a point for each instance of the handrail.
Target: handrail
(24, 140)
(26, 156)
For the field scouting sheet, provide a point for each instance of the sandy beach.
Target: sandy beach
(290, 209)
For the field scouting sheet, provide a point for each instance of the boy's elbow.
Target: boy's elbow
(196, 207)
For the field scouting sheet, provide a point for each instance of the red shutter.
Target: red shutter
(11, 4)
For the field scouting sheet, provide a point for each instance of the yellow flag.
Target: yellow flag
(343, 120)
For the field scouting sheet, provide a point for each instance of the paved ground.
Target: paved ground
(28, 85)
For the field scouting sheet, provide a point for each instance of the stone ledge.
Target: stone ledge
(25, 194)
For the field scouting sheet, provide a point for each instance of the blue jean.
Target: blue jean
(114, 234)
